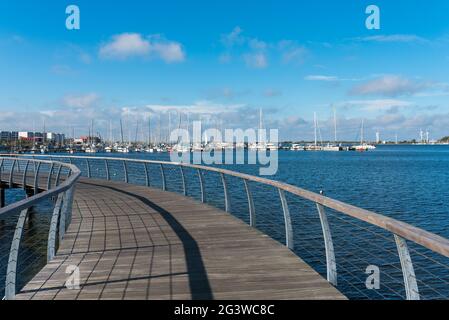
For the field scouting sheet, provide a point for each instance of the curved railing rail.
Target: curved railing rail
(400, 231)
(43, 181)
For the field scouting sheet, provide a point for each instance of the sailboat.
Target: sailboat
(180, 147)
(314, 146)
(261, 145)
(363, 146)
(335, 146)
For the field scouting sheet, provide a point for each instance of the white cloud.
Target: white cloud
(292, 52)
(127, 45)
(225, 58)
(390, 86)
(169, 51)
(255, 52)
(256, 60)
(272, 93)
(321, 78)
(61, 69)
(375, 105)
(233, 38)
(80, 101)
(199, 107)
(256, 44)
(393, 38)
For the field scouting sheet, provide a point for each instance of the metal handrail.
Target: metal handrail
(402, 231)
(63, 191)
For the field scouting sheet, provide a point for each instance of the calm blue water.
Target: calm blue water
(408, 183)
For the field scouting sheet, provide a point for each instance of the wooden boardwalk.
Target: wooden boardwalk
(132, 242)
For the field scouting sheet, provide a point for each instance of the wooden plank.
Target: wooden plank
(133, 242)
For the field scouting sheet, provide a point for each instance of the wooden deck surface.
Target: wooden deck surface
(132, 242)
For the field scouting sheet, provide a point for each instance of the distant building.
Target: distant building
(86, 139)
(37, 137)
(25, 135)
(57, 138)
(7, 136)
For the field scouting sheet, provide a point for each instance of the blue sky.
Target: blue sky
(225, 60)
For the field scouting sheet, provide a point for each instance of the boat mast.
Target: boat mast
(361, 132)
(149, 129)
(121, 130)
(110, 132)
(137, 131)
(160, 129)
(335, 125)
(260, 126)
(169, 127)
(92, 131)
(179, 127)
(315, 128)
(128, 123)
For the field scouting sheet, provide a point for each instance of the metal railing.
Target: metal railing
(43, 181)
(360, 220)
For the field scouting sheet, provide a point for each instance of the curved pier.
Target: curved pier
(132, 242)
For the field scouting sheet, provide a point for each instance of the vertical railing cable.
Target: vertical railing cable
(287, 221)
(331, 264)
(36, 178)
(251, 208)
(411, 286)
(183, 180)
(226, 193)
(11, 272)
(53, 228)
(203, 194)
(164, 182)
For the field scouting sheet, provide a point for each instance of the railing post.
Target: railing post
(1, 167)
(106, 167)
(64, 216)
(25, 172)
(331, 264)
(183, 179)
(411, 286)
(287, 221)
(226, 193)
(49, 176)
(36, 177)
(147, 178)
(252, 209)
(2, 196)
(164, 186)
(11, 273)
(58, 175)
(125, 171)
(11, 174)
(203, 194)
(53, 226)
(69, 210)
(88, 168)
